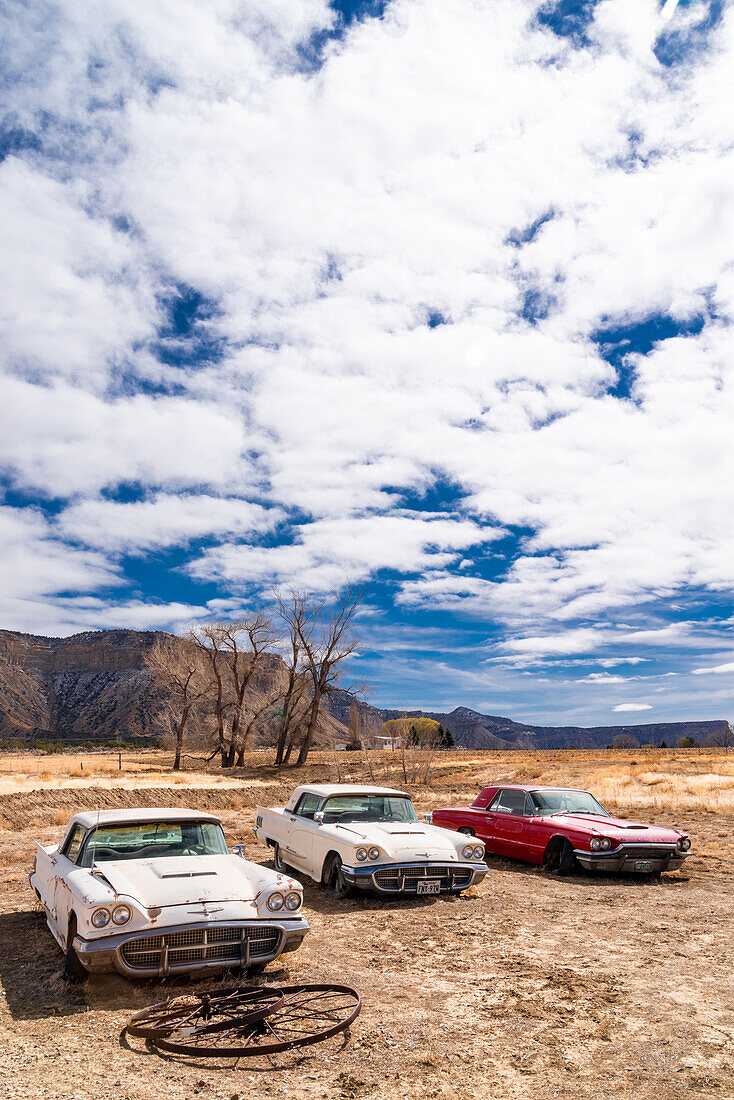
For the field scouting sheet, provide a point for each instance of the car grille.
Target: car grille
(405, 879)
(223, 943)
(641, 851)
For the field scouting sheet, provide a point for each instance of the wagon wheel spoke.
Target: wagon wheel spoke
(205, 1012)
(293, 1016)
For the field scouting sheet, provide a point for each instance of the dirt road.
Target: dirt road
(530, 986)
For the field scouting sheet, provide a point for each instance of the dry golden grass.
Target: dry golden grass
(661, 779)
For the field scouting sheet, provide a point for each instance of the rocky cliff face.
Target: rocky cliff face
(92, 685)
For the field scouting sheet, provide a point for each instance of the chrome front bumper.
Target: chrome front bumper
(624, 859)
(191, 948)
(403, 878)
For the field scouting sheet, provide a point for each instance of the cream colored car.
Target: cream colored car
(155, 892)
(348, 836)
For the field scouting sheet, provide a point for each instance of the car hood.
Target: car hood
(617, 828)
(403, 841)
(180, 880)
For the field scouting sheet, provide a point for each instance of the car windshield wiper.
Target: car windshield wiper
(572, 813)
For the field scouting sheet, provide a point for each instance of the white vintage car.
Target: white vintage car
(156, 892)
(368, 837)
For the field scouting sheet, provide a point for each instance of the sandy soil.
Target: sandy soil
(531, 986)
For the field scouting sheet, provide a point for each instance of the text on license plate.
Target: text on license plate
(429, 886)
(643, 865)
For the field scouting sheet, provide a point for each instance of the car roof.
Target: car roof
(90, 818)
(528, 787)
(323, 790)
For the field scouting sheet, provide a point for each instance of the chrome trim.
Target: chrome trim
(364, 876)
(662, 847)
(661, 856)
(106, 953)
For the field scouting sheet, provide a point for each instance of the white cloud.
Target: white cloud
(323, 553)
(632, 706)
(716, 669)
(603, 678)
(565, 642)
(163, 521)
(80, 443)
(326, 215)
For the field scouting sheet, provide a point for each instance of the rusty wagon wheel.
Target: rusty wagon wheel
(215, 1010)
(308, 1014)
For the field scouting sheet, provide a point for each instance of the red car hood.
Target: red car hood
(616, 828)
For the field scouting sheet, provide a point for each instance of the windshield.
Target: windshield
(567, 802)
(368, 807)
(153, 840)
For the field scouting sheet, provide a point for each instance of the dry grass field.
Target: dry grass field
(530, 986)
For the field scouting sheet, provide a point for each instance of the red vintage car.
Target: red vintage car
(563, 828)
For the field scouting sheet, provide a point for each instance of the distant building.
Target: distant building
(378, 741)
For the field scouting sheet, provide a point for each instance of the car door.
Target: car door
(302, 832)
(506, 818)
(52, 869)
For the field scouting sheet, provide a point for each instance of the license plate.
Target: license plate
(643, 865)
(429, 886)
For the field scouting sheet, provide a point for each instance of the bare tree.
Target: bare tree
(355, 726)
(180, 674)
(208, 640)
(256, 631)
(295, 696)
(722, 739)
(625, 741)
(234, 650)
(323, 631)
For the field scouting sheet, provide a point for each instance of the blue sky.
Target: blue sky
(431, 295)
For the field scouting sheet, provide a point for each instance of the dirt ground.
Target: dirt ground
(530, 986)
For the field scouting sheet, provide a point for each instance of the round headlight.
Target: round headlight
(374, 853)
(101, 918)
(293, 901)
(121, 914)
(468, 851)
(478, 852)
(605, 843)
(361, 854)
(684, 844)
(595, 843)
(276, 901)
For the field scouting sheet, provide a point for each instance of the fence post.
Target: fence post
(119, 761)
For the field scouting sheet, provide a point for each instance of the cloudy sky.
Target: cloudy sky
(434, 295)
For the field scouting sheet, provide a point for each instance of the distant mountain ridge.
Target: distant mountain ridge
(473, 730)
(94, 686)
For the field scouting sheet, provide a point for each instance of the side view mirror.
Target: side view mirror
(319, 817)
(428, 818)
(238, 850)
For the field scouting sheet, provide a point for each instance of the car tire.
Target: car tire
(73, 969)
(334, 879)
(566, 864)
(279, 863)
(466, 831)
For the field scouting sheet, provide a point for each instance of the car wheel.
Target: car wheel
(466, 831)
(279, 863)
(566, 864)
(334, 879)
(73, 969)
